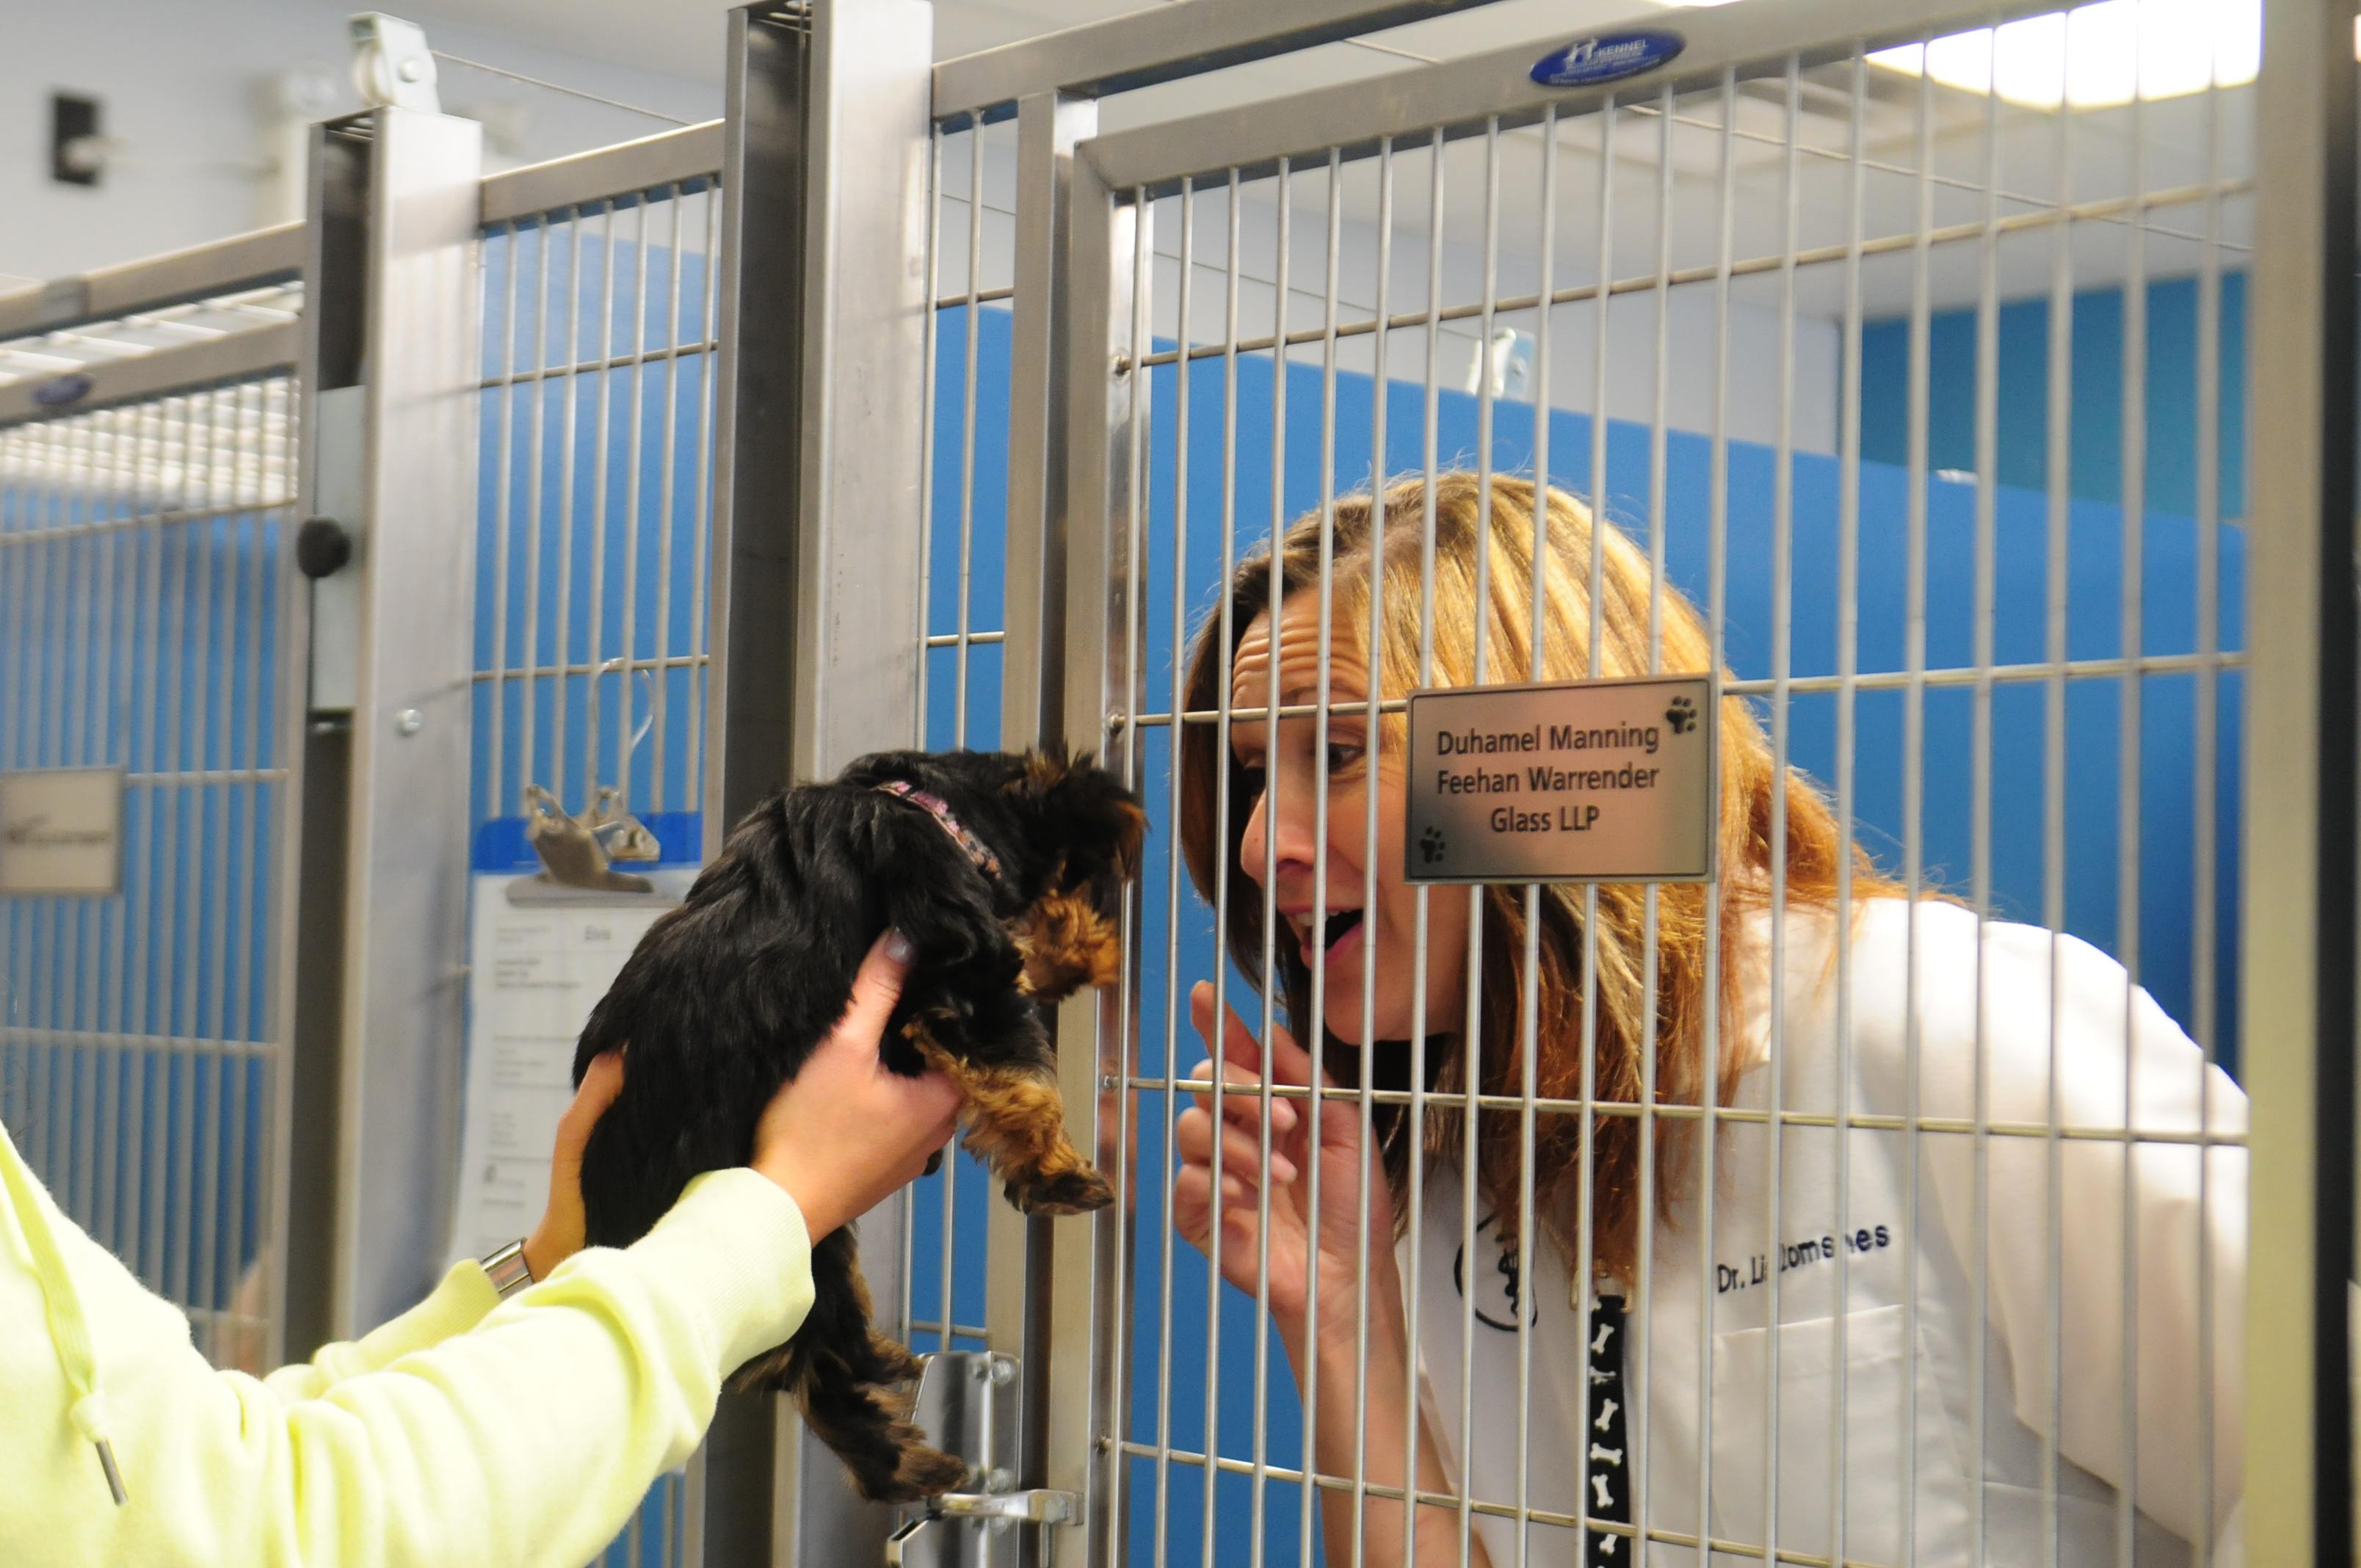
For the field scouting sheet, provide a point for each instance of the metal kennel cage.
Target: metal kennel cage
(150, 631)
(1998, 426)
(1936, 397)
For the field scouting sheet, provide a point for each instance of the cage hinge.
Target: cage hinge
(968, 1404)
(392, 66)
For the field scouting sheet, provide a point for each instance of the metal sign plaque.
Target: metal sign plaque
(1575, 781)
(62, 833)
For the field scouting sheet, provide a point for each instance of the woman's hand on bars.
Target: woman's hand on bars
(1293, 1150)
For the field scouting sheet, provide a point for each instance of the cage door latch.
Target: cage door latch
(1034, 1507)
(968, 1405)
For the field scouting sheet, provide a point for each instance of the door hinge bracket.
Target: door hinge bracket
(968, 1402)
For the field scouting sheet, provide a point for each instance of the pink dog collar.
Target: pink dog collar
(936, 808)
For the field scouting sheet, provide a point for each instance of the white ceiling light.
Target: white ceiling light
(2099, 55)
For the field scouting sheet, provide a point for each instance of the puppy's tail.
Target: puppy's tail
(849, 1381)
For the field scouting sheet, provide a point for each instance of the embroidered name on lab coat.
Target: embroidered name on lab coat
(1801, 1254)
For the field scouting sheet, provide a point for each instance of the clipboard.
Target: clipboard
(556, 915)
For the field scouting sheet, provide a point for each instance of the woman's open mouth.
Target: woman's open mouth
(1339, 936)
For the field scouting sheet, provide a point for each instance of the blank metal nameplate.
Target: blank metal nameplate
(61, 832)
(1574, 781)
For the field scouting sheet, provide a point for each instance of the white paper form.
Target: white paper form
(536, 972)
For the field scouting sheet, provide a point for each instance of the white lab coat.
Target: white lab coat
(1891, 1269)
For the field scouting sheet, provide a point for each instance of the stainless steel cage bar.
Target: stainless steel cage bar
(138, 378)
(259, 258)
(390, 442)
(1151, 46)
(1461, 95)
(685, 157)
(2296, 945)
(1050, 125)
(1108, 237)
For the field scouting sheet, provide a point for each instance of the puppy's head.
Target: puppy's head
(1056, 825)
(1091, 825)
(1060, 827)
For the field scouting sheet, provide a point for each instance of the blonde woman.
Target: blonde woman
(1973, 1300)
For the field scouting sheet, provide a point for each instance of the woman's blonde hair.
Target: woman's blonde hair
(1814, 846)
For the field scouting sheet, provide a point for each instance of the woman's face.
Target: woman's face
(1280, 850)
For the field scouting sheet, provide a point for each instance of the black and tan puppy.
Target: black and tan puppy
(1002, 872)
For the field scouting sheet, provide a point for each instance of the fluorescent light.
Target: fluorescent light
(2099, 55)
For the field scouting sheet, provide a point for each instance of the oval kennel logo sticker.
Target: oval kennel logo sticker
(1609, 57)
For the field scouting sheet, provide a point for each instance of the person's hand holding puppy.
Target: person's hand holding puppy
(848, 1131)
(840, 1137)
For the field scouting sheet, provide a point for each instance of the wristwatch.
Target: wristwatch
(508, 1270)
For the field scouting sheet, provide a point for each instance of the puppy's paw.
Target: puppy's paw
(892, 1361)
(919, 1472)
(1076, 1192)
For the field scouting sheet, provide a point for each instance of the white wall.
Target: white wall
(190, 89)
(1691, 320)
(193, 93)
(1751, 400)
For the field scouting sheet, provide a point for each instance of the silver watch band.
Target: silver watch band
(508, 1270)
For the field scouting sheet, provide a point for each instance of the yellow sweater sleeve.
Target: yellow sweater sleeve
(458, 1304)
(462, 1433)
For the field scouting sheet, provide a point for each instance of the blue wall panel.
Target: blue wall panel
(2022, 405)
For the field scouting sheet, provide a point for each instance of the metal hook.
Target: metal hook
(622, 787)
(608, 813)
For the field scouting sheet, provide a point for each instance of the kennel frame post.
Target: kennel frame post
(823, 315)
(1018, 1249)
(1078, 1421)
(311, 977)
(1050, 126)
(2298, 911)
(412, 258)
